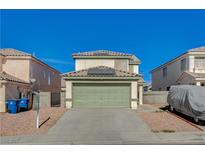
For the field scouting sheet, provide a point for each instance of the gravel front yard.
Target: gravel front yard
(162, 121)
(24, 123)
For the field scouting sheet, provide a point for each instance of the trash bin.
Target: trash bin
(23, 103)
(12, 106)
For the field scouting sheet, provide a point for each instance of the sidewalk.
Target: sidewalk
(158, 138)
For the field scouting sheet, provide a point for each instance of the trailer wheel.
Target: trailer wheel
(196, 120)
(171, 108)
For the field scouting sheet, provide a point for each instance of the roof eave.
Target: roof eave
(101, 78)
(11, 81)
(200, 79)
(99, 57)
(135, 63)
(169, 62)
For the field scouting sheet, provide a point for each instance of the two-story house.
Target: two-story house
(104, 79)
(17, 68)
(188, 68)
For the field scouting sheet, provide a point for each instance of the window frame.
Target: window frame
(164, 72)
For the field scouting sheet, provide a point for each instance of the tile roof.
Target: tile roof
(101, 53)
(17, 53)
(199, 49)
(8, 77)
(133, 58)
(13, 52)
(102, 71)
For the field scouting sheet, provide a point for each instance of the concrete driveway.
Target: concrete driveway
(104, 126)
(101, 126)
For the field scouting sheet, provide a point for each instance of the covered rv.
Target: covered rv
(189, 100)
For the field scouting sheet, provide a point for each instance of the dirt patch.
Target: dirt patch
(166, 122)
(152, 107)
(24, 123)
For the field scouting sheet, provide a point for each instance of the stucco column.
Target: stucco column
(68, 94)
(2, 97)
(134, 95)
(140, 95)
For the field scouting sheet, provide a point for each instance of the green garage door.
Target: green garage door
(101, 95)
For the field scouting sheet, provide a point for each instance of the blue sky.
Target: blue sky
(154, 36)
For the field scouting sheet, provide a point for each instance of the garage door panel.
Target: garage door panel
(101, 95)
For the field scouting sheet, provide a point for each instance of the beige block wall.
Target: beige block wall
(47, 79)
(155, 97)
(17, 67)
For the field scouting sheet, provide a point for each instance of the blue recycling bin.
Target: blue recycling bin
(12, 106)
(23, 103)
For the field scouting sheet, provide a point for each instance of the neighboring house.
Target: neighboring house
(17, 68)
(104, 79)
(188, 68)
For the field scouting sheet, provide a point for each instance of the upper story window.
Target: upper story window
(44, 74)
(183, 64)
(164, 72)
(49, 79)
(199, 62)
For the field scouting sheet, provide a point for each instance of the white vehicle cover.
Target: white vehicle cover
(188, 99)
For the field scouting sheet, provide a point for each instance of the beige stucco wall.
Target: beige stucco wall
(120, 64)
(13, 90)
(18, 67)
(173, 74)
(187, 79)
(26, 68)
(68, 95)
(134, 95)
(47, 79)
(1, 62)
(88, 63)
(134, 69)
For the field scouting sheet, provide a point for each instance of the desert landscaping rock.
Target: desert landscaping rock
(164, 121)
(24, 123)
